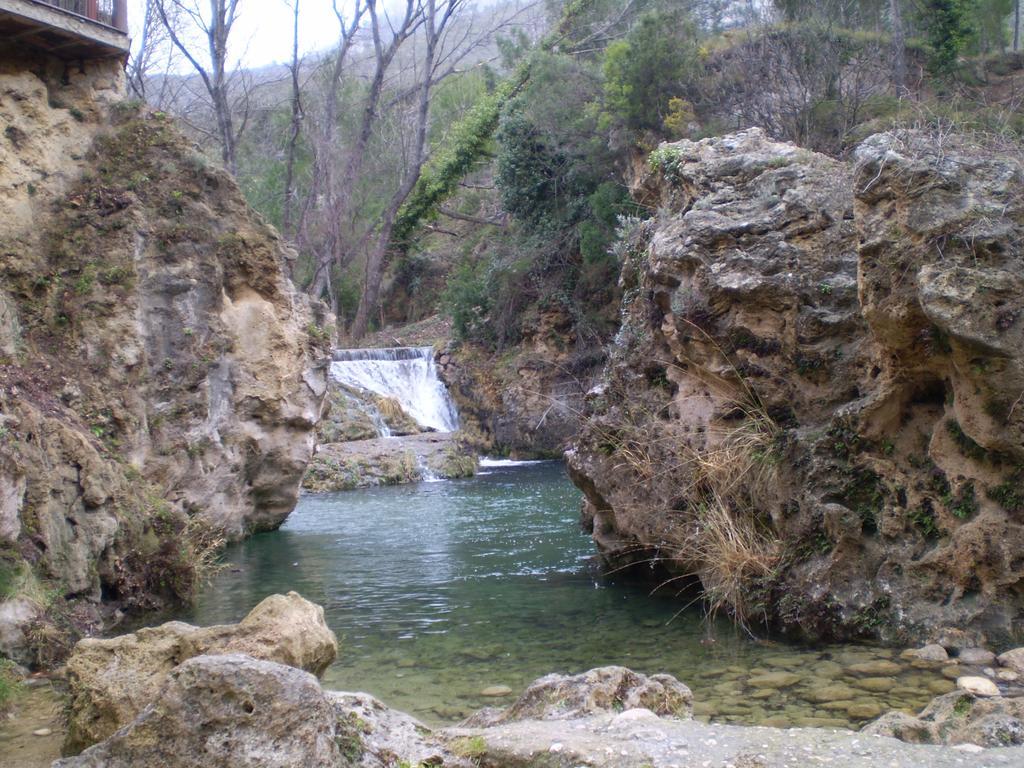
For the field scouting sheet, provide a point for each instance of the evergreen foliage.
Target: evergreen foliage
(649, 68)
(949, 27)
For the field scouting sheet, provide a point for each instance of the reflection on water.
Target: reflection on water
(440, 590)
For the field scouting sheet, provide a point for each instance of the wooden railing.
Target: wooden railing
(113, 13)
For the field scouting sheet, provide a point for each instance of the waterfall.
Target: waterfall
(408, 374)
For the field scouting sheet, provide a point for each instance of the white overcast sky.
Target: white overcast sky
(263, 32)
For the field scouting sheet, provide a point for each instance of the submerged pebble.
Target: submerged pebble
(496, 691)
(774, 680)
(979, 686)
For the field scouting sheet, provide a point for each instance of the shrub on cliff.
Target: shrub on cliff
(650, 68)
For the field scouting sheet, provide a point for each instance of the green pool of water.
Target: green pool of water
(440, 590)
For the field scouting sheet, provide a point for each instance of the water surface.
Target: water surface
(440, 590)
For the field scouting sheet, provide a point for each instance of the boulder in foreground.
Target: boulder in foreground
(600, 690)
(234, 711)
(957, 718)
(228, 711)
(112, 680)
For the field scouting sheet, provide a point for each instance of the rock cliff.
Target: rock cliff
(159, 383)
(527, 401)
(812, 408)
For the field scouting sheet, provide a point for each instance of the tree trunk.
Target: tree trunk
(1016, 26)
(220, 28)
(376, 259)
(222, 17)
(337, 191)
(293, 136)
(899, 49)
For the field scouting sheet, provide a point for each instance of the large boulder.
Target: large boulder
(600, 690)
(817, 367)
(236, 711)
(372, 735)
(228, 711)
(112, 680)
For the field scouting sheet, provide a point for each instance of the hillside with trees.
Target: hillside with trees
(476, 159)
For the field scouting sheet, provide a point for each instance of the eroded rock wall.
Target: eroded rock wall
(159, 385)
(811, 405)
(528, 400)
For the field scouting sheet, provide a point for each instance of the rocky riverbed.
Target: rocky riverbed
(238, 696)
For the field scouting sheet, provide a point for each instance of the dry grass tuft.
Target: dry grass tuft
(204, 545)
(718, 480)
(390, 409)
(735, 554)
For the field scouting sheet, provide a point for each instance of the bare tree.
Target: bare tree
(215, 28)
(899, 48)
(147, 47)
(295, 128)
(323, 193)
(437, 19)
(339, 191)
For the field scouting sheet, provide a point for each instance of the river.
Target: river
(438, 591)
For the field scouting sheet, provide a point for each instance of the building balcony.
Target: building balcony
(69, 29)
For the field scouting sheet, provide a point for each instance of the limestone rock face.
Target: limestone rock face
(816, 367)
(527, 405)
(111, 680)
(159, 383)
(229, 711)
(233, 710)
(604, 689)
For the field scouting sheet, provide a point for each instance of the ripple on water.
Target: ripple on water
(441, 591)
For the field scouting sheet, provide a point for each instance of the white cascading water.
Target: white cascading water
(408, 374)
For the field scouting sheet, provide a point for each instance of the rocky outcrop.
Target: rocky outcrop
(233, 710)
(110, 681)
(229, 710)
(810, 405)
(527, 402)
(349, 416)
(957, 718)
(387, 461)
(604, 689)
(159, 381)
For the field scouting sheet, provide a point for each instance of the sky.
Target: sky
(263, 31)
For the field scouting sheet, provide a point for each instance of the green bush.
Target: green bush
(466, 299)
(648, 69)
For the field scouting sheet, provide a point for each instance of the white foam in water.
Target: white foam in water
(486, 462)
(426, 472)
(407, 374)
